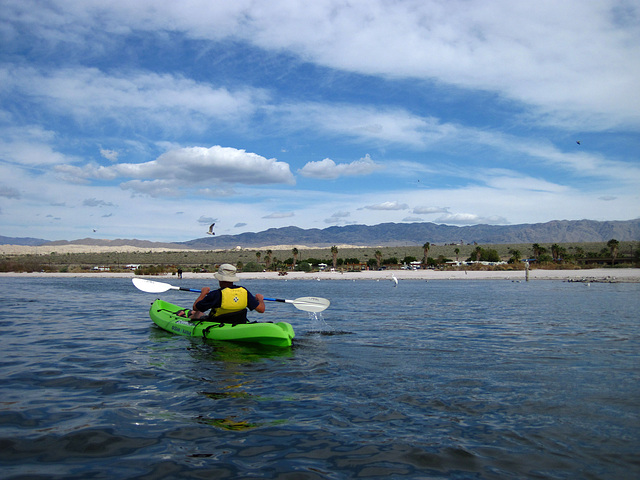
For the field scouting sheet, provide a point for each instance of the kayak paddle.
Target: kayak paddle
(150, 286)
(307, 304)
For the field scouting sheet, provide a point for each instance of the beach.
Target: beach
(612, 275)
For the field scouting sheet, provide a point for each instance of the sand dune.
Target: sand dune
(47, 249)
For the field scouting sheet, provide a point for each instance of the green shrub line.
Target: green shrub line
(548, 256)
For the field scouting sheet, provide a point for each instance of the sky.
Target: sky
(152, 119)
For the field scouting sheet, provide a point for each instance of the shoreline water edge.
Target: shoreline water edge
(602, 275)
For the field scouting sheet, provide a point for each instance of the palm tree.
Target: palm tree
(426, 248)
(258, 255)
(558, 252)
(378, 258)
(613, 245)
(295, 252)
(515, 255)
(334, 254)
(268, 259)
(537, 250)
(457, 251)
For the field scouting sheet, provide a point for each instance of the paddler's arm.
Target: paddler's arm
(260, 308)
(203, 293)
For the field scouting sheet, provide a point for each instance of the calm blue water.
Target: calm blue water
(441, 379)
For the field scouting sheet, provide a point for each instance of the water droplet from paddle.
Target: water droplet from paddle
(318, 323)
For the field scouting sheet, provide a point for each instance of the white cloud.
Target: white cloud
(510, 180)
(30, 145)
(367, 123)
(206, 220)
(337, 217)
(571, 61)
(430, 210)
(572, 64)
(219, 191)
(110, 155)
(341, 214)
(153, 188)
(388, 206)
(568, 59)
(9, 192)
(469, 219)
(218, 164)
(328, 169)
(279, 215)
(164, 100)
(94, 202)
(188, 166)
(407, 129)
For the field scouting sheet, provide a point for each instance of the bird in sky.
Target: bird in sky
(578, 142)
(210, 232)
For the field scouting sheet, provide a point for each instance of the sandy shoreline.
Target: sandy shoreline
(593, 275)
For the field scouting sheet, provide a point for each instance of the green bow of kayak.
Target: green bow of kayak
(164, 314)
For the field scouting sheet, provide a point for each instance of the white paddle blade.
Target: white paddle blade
(311, 304)
(150, 286)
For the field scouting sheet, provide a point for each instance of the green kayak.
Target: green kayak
(164, 315)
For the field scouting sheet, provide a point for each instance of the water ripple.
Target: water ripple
(484, 380)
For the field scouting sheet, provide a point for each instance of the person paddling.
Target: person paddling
(229, 303)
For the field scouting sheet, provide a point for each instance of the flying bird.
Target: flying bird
(578, 142)
(210, 232)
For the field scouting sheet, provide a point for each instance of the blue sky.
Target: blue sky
(152, 119)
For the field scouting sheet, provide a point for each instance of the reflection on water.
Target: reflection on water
(434, 379)
(229, 423)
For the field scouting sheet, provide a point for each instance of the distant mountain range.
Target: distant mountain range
(387, 234)
(26, 241)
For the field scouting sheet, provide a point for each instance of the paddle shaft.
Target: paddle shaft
(295, 303)
(266, 299)
(277, 300)
(309, 304)
(186, 289)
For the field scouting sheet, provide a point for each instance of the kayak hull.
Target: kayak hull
(164, 315)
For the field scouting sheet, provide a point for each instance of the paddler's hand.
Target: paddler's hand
(205, 290)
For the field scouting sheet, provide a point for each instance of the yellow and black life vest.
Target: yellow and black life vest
(234, 300)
